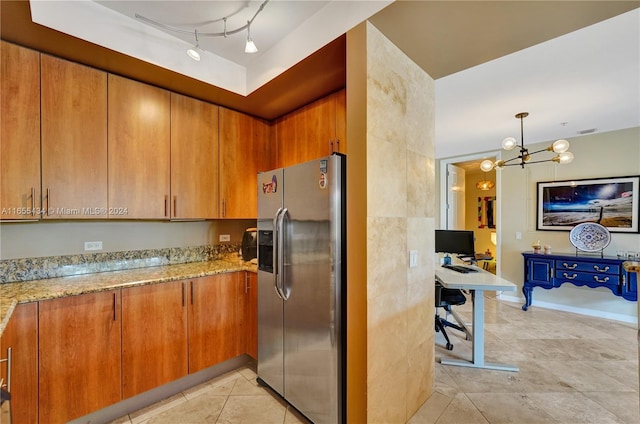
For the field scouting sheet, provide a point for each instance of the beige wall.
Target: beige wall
(396, 157)
(36, 239)
(609, 154)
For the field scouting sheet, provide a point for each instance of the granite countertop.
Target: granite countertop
(12, 294)
(631, 266)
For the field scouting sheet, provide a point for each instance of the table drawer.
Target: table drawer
(569, 265)
(587, 277)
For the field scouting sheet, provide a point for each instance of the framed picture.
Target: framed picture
(611, 202)
(487, 212)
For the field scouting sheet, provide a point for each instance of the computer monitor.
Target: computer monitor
(456, 242)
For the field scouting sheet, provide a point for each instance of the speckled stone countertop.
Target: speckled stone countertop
(29, 291)
(631, 266)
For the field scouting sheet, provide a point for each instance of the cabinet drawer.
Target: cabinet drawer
(586, 277)
(599, 268)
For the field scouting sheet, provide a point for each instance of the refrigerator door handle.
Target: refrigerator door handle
(280, 254)
(276, 253)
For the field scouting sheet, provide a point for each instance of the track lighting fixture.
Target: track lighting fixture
(194, 53)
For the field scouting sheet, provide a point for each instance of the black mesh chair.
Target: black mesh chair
(446, 298)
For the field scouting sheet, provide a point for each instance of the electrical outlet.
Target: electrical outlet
(225, 237)
(518, 235)
(92, 245)
(413, 258)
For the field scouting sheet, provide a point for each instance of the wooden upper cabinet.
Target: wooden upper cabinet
(74, 140)
(21, 335)
(244, 151)
(79, 355)
(194, 158)
(315, 130)
(154, 336)
(19, 132)
(139, 150)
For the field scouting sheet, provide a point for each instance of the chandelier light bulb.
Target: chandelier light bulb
(509, 143)
(565, 157)
(486, 165)
(250, 47)
(560, 146)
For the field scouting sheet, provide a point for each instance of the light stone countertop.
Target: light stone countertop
(12, 294)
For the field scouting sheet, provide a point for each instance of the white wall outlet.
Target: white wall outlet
(518, 235)
(413, 258)
(225, 237)
(92, 245)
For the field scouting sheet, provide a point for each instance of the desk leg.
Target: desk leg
(477, 360)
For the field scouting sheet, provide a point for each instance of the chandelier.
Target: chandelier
(194, 52)
(485, 184)
(560, 147)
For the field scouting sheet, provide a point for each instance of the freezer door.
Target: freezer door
(311, 285)
(270, 305)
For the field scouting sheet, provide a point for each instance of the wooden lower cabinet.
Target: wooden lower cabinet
(79, 355)
(21, 335)
(213, 320)
(154, 336)
(248, 313)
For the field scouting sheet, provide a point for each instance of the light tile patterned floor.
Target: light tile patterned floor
(573, 370)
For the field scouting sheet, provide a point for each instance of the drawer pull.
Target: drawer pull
(597, 268)
(573, 277)
(604, 280)
(566, 265)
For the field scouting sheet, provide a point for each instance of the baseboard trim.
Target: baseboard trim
(582, 311)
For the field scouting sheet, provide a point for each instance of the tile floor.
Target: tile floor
(573, 369)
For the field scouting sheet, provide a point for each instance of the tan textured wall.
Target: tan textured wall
(400, 217)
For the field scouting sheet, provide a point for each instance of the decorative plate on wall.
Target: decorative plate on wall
(590, 237)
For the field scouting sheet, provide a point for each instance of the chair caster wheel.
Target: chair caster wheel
(449, 346)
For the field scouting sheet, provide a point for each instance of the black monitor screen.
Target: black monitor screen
(459, 242)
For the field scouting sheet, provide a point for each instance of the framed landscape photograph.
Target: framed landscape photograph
(611, 202)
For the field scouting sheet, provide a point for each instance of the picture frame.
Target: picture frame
(487, 212)
(611, 202)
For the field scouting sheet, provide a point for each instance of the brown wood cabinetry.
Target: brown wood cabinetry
(154, 336)
(194, 158)
(139, 150)
(21, 335)
(74, 140)
(79, 355)
(244, 151)
(248, 312)
(315, 130)
(19, 132)
(213, 320)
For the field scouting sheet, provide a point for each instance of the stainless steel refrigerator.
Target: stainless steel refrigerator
(302, 286)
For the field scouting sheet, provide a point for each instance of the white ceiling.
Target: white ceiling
(589, 78)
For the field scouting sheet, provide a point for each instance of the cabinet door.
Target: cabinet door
(340, 142)
(248, 312)
(19, 132)
(244, 151)
(286, 129)
(194, 158)
(154, 336)
(540, 271)
(79, 355)
(21, 335)
(74, 140)
(139, 150)
(213, 320)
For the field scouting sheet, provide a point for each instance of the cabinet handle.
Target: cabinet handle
(8, 361)
(184, 289)
(166, 205)
(33, 201)
(597, 268)
(224, 208)
(565, 275)
(246, 283)
(48, 197)
(175, 206)
(337, 144)
(192, 295)
(330, 145)
(564, 264)
(115, 318)
(604, 280)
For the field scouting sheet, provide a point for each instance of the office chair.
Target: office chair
(446, 298)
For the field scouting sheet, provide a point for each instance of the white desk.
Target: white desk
(476, 283)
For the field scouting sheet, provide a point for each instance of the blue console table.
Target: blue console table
(551, 271)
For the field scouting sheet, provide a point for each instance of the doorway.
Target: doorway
(469, 204)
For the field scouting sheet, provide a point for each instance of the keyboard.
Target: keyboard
(460, 268)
